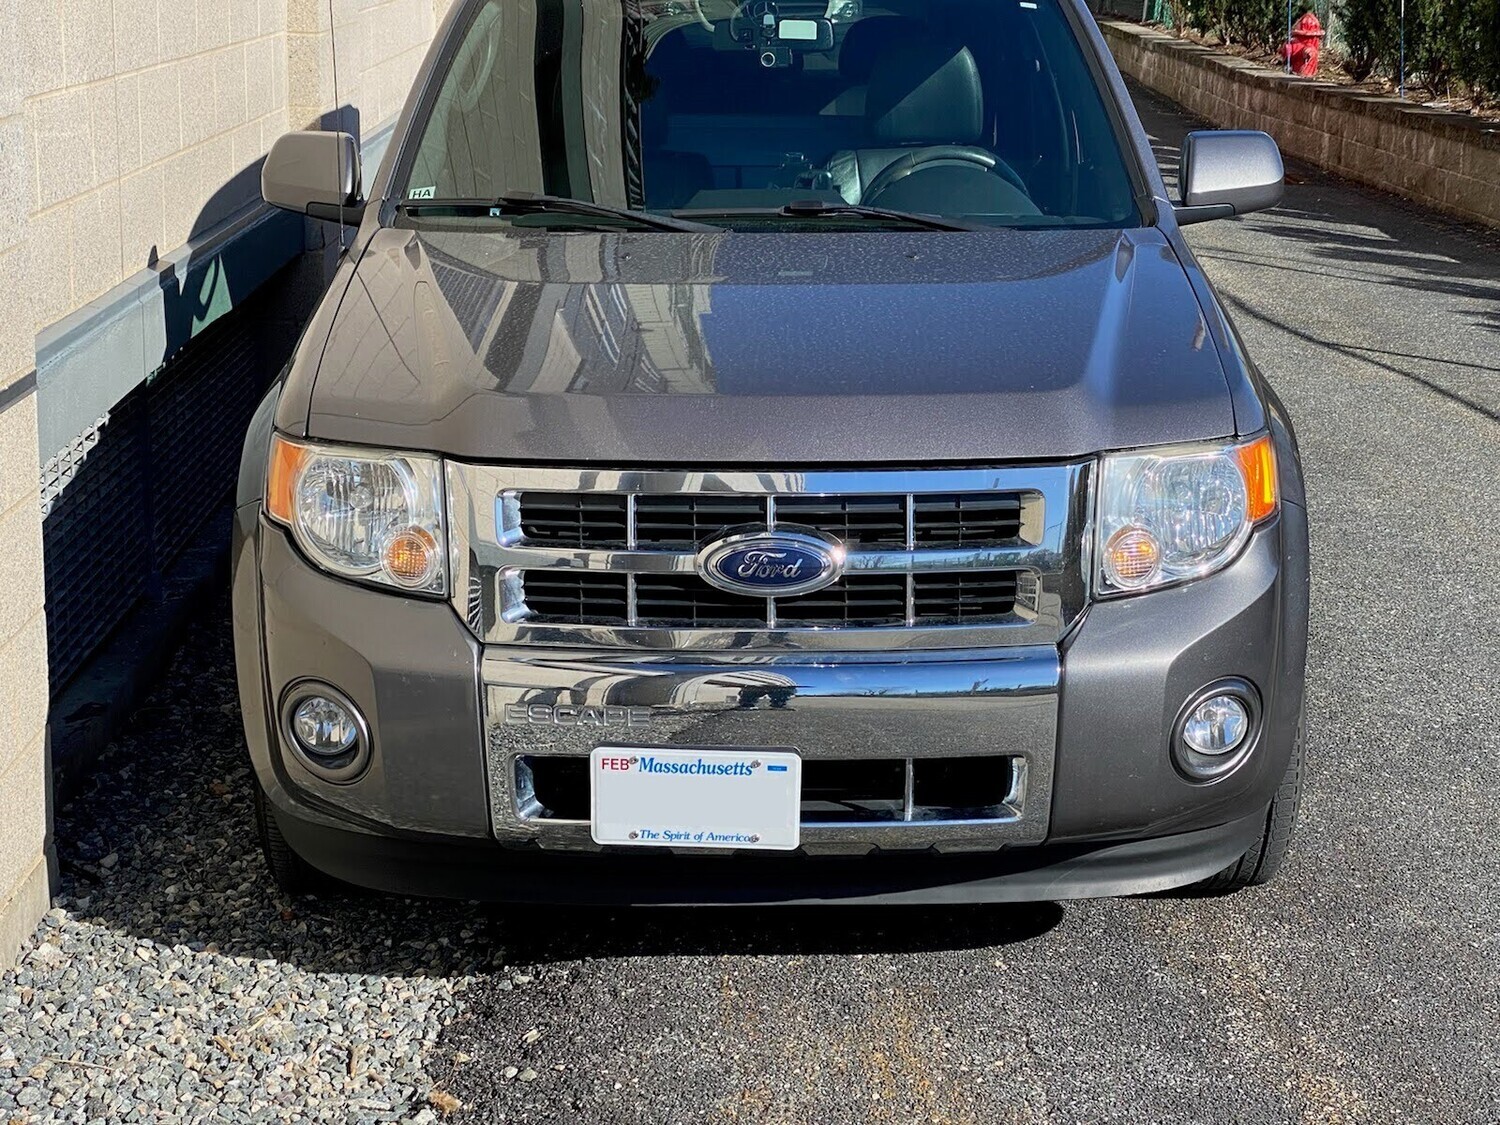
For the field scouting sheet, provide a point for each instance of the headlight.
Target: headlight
(1182, 513)
(362, 513)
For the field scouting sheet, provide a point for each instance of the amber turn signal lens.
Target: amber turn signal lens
(1257, 461)
(281, 477)
(1131, 556)
(411, 556)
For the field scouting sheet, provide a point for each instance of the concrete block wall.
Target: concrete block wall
(23, 634)
(1448, 161)
(130, 132)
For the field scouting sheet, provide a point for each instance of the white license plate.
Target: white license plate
(685, 798)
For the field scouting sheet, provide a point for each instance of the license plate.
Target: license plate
(686, 798)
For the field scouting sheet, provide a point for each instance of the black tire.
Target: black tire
(1263, 859)
(292, 874)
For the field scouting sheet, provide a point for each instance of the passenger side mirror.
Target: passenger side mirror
(1228, 172)
(314, 173)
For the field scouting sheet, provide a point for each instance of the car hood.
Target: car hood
(752, 349)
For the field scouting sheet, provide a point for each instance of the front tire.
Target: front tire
(292, 874)
(1264, 857)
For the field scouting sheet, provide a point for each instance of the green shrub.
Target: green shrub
(1250, 23)
(1447, 42)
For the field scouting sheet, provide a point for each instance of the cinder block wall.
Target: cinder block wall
(130, 129)
(23, 631)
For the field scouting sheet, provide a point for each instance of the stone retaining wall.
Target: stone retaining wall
(1449, 161)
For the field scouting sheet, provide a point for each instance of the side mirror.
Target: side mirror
(314, 173)
(1228, 172)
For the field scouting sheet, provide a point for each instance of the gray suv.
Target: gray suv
(788, 433)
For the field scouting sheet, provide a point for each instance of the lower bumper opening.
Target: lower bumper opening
(834, 791)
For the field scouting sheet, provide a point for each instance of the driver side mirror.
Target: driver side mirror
(1228, 172)
(314, 173)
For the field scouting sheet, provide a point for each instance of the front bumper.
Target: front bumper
(1099, 808)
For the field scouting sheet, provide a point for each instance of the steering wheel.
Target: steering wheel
(938, 156)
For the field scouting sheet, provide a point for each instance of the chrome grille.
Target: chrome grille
(684, 522)
(938, 558)
(584, 597)
(575, 519)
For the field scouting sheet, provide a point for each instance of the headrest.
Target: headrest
(867, 39)
(925, 91)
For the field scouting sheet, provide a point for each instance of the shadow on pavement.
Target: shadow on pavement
(159, 844)
(1343, 238)
(576, 933)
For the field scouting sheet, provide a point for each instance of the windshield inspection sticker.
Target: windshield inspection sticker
(696, 798)
(422, 192)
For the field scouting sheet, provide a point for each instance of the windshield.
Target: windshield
(978, 112)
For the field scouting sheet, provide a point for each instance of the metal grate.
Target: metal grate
(96, 540)
(127, 496)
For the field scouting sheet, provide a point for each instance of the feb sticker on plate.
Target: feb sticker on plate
(695, 798)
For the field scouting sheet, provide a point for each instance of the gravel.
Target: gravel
(170, 981)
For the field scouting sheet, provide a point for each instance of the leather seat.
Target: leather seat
(924, 103)
(862, 46)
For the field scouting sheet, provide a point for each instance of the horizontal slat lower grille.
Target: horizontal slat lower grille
(685, 598)
(961, 596)
(685, 522)
(834, 790)
(859, 599)
(581, 597)
(577, 597)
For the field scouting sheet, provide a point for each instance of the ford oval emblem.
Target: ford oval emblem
(771, 564)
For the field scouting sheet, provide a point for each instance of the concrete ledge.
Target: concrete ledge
(20, 914)
(1449, 161)
(92, 358)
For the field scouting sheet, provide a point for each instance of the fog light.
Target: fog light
(1216, 730)
(1217, 725)
(325, 731)
(324, 727)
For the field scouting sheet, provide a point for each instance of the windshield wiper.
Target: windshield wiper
(816, 208)
(530, 203)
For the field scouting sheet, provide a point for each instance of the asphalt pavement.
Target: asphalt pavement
(171, 982)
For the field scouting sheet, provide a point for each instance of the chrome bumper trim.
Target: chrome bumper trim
(998, 702)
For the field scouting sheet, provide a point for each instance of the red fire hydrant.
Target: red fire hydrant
(1301, 54)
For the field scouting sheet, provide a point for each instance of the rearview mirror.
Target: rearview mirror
(314, 173)
(1228, 172)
